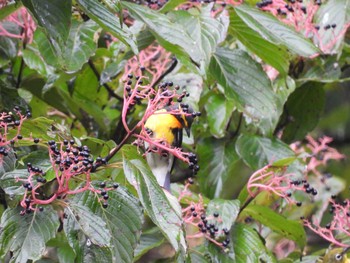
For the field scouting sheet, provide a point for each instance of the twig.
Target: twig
(169, 70)
(105, 85)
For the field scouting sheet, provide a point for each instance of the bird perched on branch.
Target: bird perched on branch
(166, 126)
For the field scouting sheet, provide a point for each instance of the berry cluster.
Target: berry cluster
(68, 160)
(276, 181)
(209, 226)
(9, 122)
(338, 225)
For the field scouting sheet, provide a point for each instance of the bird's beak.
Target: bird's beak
(188, 131)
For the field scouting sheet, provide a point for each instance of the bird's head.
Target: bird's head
(186, 119)
(336, 255)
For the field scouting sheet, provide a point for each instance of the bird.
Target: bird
(336, 255)
(165, 126)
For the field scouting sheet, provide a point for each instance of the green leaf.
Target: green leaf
(170, 5)
(227, 210)
(40, 127)
(54, 16)
(149, 240)
(217, 160)
(205, 30)
(8, 163)
(249, 246)
(80, 217)
(332, 12)
(219, 110)
(34, 60)
(108, 21)
(122, 219)
(304, 107)
(9, 8)
(153, 199)
(257, 151)
(11, 185)
(26, 235)
(81, 44)
(246, 83)
(274, 31)
(171, 35)
(290, 229)
(9, 46)
(111, 71)
(46, 50)
(259, 45)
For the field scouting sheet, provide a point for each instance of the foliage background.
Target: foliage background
(66, 63)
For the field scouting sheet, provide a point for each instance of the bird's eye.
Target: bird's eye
(338, 256)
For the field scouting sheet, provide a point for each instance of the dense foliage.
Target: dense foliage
(263, 176)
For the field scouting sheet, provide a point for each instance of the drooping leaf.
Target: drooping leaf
(93, 226)
(249, 246)
(81, 44)
(304, 107)
(26, 235)
(205, 30)
(219, 110)
(271, 29)
(122, 220)
(246, 83)
(54, 16)
(290, 229)
(260, 45)
(227, 211)
(171, 35)
(153, 199)
(149, 240)
(108, 21)
(217, 159)
(257, 151)
(8, 162)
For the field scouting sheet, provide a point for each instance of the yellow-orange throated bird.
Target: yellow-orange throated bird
(167, 127)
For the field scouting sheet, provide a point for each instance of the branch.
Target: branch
(108, 88)
(168, 71)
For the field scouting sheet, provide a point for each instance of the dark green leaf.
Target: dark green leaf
(8, 162)
(11, 185)
(304, 107)
(290, 229)
(171, 35)
(227, 210)
(93, 226)
(122, 218)
(111, 71)
(81, 44)
(257, 151)
(205, 30)
(153, 199)
(108, 21)
(270, 28)
(247, 84)
(34, 60)
(170, 5)
(45, 48)
(54, 16)
(149, 240)
(26, 235)
(217, 159)
(219, 110)
(9, 46)
(249, 246)
(260, 45)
